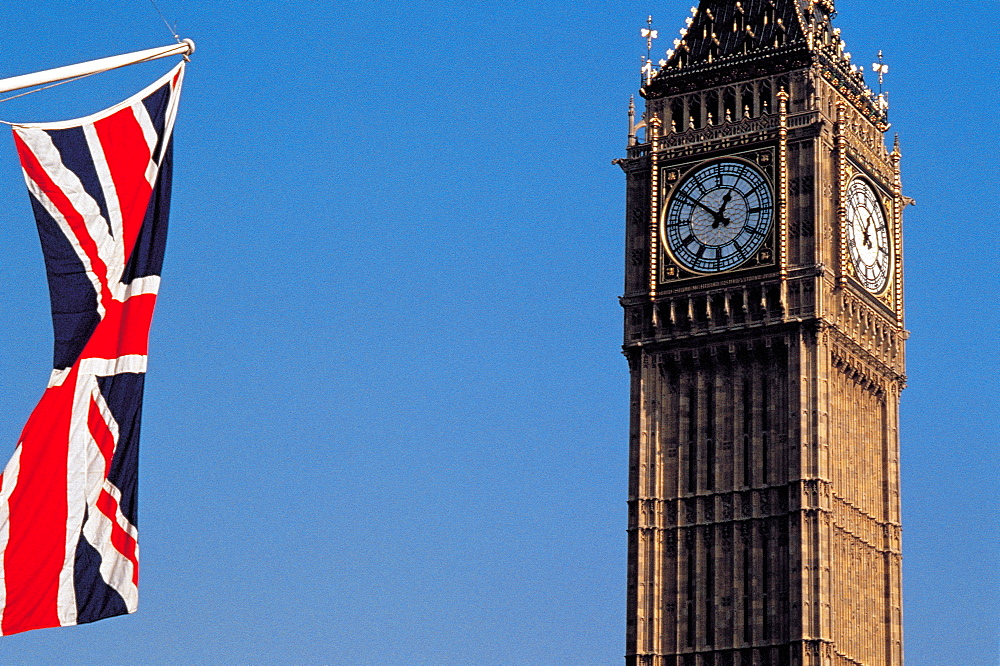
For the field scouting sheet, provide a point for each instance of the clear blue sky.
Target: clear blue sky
(386, 412)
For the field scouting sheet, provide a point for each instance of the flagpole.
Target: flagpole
(185, 47)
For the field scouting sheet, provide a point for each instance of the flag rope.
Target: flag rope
(165, 22)
(51, 85)
(114, 63)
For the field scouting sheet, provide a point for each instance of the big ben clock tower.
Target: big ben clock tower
(764, 336)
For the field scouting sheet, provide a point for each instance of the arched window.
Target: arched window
(712, 116)
(730, 109)
(764, 93)
(785, 82)
(694, 113)
(677, 116)
(746, 102)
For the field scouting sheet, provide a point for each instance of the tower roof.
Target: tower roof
(721, 29)
(744, 38)
(732, 40)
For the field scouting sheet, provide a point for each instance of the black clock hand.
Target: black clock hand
(722, 211)
(725, 202)
(720, 217)
(701, 205)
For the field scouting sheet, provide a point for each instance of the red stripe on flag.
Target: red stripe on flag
(36, 546)
(120, 539)
(104, 438)
(123, 330)
(127, 155)
(35, 171)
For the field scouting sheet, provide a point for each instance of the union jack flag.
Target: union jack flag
(100, 190)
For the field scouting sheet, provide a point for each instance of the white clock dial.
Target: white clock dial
(868, 237)
(719, 217)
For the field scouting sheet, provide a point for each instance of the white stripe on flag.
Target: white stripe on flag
(77, 490)
(50, 207)
(114, 208)
(110, 247)
(116, 569)
(105, 367)
(148, 133)
(150, 284)
(102, 367)
(175, 99)
(9, 483)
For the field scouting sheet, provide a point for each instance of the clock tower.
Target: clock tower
(764, 336)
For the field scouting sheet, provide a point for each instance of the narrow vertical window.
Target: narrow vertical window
(765, 583)
(747, 590)
(713, 117)
(729, 103)
(765, 430)
(747, 99)
(677, 116)
(694, 112)
(710, 608)
(692, 588)
(747, 431)
(710, 440)
(766, 103)
(693, 440)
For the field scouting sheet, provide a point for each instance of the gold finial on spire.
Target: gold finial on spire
(647, 64)
(631, 120)
(783, 96)
(649, 34)
(647, 71)
(882, 69)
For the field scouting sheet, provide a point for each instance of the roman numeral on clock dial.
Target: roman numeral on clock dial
(718, 216)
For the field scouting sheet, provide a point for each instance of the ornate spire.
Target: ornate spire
(720, 29)
(631, 120)
(726, 38)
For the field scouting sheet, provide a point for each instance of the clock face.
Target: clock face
(867, 237)
(718, 217)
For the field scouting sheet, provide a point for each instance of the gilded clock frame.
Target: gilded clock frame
(884, 202)
(888, 193)
(885, 199)
(761, 158)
